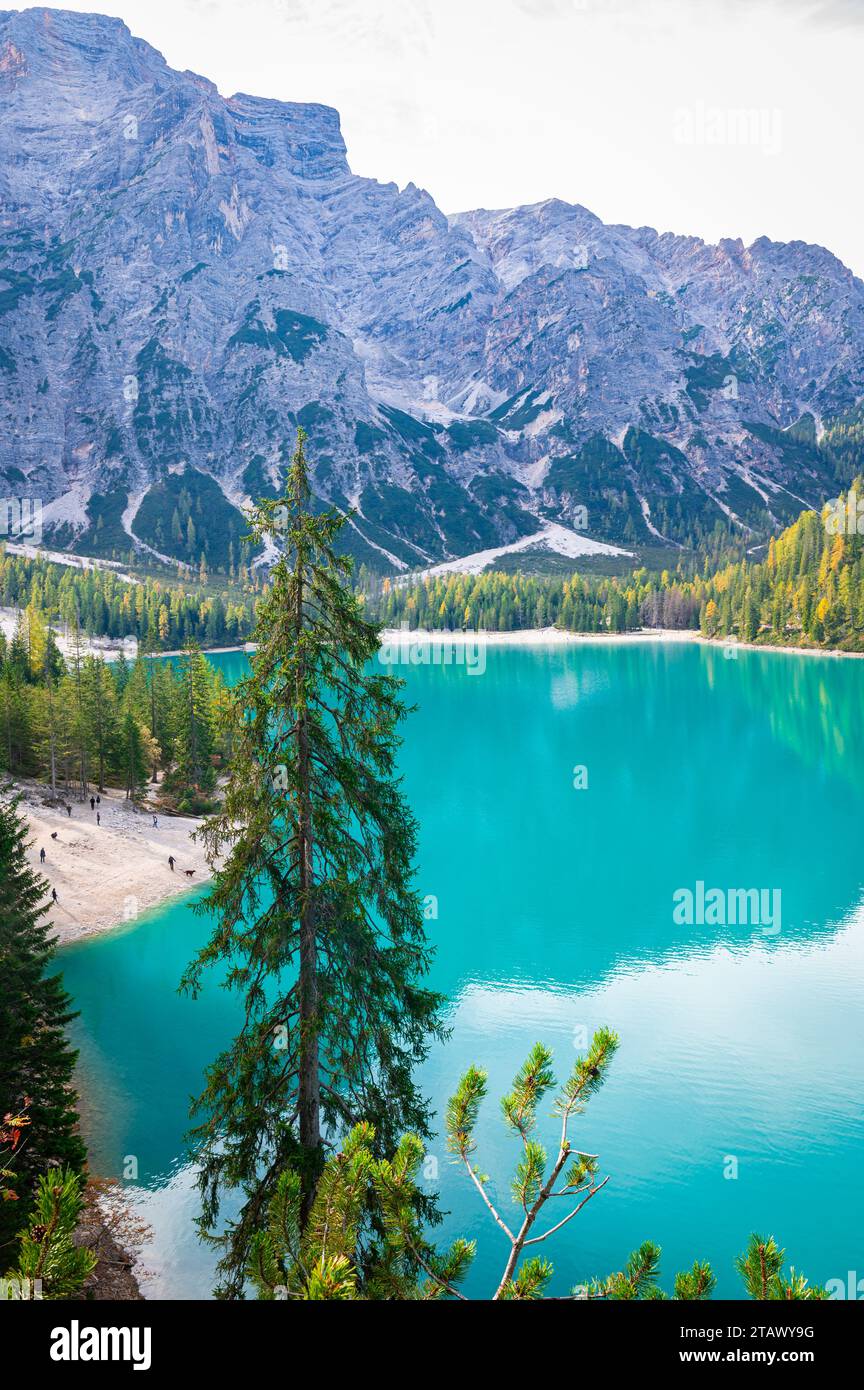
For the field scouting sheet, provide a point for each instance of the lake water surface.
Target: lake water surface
(742, 1047)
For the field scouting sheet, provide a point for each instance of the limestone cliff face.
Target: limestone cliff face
(185, 278)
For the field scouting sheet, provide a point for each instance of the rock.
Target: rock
(186, 278)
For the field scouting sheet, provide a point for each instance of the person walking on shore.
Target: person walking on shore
(54, 895)
(98, 818)
(155, 822)
(69, 811)
(171, 862)
(92, 803)
(42, 856)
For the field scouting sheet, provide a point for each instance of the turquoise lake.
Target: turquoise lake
(741, 1047)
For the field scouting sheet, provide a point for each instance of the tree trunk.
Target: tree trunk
(193, 727)
(309, 1078)
(153, 718)
(310, 1095)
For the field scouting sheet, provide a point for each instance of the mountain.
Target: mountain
(185, 278)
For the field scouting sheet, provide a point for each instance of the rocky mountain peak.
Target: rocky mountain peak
(185, 278)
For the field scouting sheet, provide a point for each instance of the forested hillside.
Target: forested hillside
(84, 722)
(807, 590)
(160, 615)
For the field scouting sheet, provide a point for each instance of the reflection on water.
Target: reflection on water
(555, 916)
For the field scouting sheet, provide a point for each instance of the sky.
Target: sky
(716, 118)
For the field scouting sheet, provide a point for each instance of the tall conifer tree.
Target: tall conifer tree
(36, 1061)
(133, 748)
(99, 716)
(194, 723)
(317, 920)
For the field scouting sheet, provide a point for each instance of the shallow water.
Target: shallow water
(742, 1046)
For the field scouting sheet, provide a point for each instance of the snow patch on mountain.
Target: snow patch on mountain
(554, 539)
(185, 279)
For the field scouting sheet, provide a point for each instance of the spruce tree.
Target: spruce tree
(316, 916)
(16, 734)
(147, 695)
(47, 725)
(75, 685)
(194, 742)
(134, 745)
(100, 719)
(36, 1061)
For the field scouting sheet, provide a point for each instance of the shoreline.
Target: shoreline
(205, 651)
(556, 637)
(532, 636)
(516, 637)
(110, 875)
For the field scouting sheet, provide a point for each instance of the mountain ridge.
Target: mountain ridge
(185, 278)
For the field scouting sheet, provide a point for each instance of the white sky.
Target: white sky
(625, 106)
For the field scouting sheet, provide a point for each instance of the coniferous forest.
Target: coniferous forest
(313, 912)
(431, 733)
(79, 717)
(805, 587)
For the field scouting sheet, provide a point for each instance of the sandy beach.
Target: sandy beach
(108, 874)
